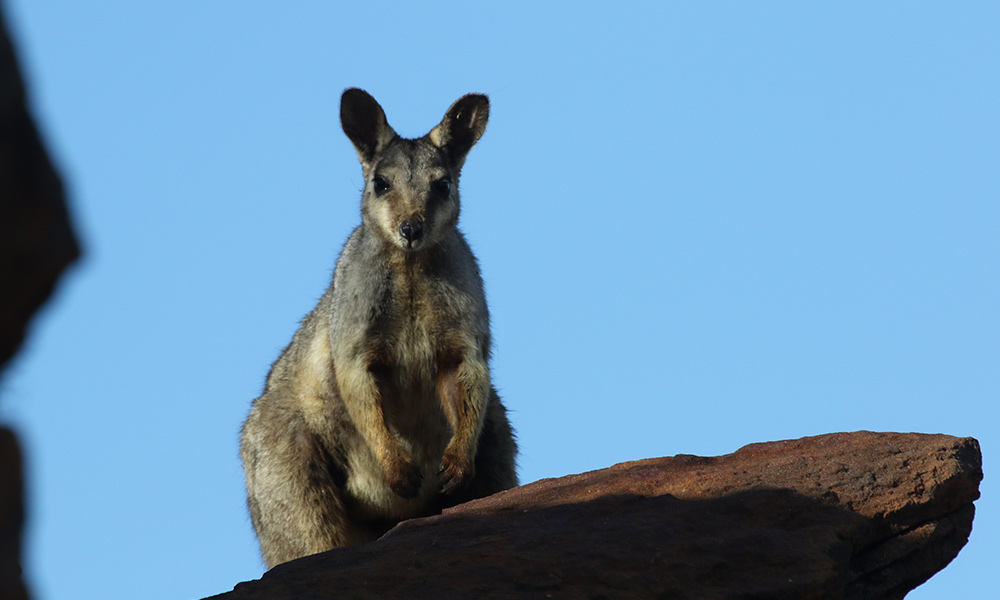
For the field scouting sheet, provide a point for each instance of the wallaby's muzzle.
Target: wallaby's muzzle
(413, 232)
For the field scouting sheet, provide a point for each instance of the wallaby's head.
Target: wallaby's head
(411, 186)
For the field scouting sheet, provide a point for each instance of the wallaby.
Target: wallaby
(381, 408)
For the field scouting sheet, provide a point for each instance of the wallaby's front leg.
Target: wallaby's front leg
(359, 390)
(463, 387)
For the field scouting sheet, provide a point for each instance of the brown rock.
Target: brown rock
(846, 515)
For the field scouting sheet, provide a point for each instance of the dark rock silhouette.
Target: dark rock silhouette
(36, 245)
(36, 240)
(845, 515)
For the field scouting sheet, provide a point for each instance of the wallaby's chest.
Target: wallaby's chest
(404, 313)
(408, 335)
(416, 313)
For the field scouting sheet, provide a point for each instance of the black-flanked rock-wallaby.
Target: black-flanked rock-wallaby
(381, 408)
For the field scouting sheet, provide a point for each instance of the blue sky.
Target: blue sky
(701, 225)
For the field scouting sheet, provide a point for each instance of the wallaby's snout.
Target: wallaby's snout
(412, 231)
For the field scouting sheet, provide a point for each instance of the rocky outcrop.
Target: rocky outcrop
(36, 240)
(36, 245)
(11, 517)
(846, 515)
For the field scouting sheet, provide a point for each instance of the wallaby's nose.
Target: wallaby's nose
(411, 231)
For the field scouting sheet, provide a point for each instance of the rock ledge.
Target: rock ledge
(844, 515)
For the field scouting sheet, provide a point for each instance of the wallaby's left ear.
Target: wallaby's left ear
(462, 126)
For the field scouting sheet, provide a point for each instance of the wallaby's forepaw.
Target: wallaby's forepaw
(454, 472)
(404, 478)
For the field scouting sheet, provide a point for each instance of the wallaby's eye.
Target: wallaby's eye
(380, 185)
(441, 187)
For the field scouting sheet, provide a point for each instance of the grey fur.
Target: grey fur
(381, 408)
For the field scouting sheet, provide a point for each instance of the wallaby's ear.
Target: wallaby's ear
(364, 123)
(462, 126)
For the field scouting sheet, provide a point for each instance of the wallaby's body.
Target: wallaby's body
(381, 408)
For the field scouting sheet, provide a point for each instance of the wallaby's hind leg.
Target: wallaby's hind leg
(495, 458)
(293, 488)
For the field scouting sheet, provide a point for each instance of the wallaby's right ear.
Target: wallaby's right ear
(364, 123)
